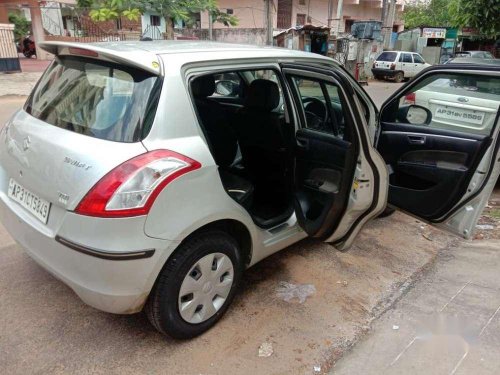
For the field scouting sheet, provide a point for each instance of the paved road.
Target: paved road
(380, 91)
(44, 327)
(448, 324)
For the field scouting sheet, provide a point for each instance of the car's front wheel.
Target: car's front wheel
(196, 286)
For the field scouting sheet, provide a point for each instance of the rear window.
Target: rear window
(387, 56)
(96, 98)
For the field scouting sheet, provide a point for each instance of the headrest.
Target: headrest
(203, 86)
(263, 95)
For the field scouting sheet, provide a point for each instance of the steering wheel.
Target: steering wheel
(316, 107)
(317, 115)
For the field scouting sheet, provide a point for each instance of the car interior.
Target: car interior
(434, 145)
(264, 164)
(243, 119)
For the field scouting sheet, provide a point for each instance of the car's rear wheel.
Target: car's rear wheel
(399, 77)
(196, 286)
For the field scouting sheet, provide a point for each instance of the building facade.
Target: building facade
(292, 13)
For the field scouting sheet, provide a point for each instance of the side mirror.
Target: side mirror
(414, 114)
(226, 88)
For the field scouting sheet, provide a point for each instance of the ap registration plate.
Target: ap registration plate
(34, 204)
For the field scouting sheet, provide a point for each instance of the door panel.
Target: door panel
(340, 180)
(434, 166)
(323, 164)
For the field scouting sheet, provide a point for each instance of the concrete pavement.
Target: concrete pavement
(448, 324)
(380, 91)
(44, 327)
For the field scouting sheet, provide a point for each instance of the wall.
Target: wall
(229, 35)
(145, 19)
(250, 13)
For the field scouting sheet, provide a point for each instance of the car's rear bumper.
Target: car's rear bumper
(115, 281)
(383, 72)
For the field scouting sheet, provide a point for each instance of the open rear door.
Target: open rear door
(340, 179)
(439, 136)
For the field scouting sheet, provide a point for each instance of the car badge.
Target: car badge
(462, 99)
(26, 143)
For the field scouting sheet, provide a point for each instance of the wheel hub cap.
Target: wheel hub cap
(205, 288)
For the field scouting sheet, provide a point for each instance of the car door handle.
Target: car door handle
(416, 139)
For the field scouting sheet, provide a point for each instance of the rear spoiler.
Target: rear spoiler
(126, 55)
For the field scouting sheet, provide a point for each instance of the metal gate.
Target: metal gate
(9, 59)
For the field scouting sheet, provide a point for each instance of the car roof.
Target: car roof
(470, 60)
(143, 53)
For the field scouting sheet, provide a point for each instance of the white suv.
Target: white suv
(151, 174)
(398, 65)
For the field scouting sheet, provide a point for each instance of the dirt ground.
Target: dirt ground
(489, 223)
(46, 328)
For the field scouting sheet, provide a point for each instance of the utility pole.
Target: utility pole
(330, 13)
(210, 26)
(384, 11)
(389, 22)
(269, 23)
(340, 6)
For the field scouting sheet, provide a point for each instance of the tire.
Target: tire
(399, 77)
(164, 303)
(387, 212)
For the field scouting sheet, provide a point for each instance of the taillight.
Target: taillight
(393, 66)
(374, 64)
(131, 188)
(410, 98)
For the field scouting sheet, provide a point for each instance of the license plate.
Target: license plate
(465, 115)
(34, 204)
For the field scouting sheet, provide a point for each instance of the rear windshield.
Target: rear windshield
(387, 56)
(96, 98)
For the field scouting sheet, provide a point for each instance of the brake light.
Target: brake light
(82, 52)
(374, 64)
(410, 98)
(131, 188)
(393, 66)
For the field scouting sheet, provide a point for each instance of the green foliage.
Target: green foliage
(21, 25)
(483, 15)
(104, 10)
(428, 13)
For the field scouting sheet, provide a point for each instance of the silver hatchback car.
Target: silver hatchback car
(151, 174)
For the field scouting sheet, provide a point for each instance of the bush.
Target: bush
(21, 25)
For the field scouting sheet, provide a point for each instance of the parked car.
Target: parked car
(398, 65)
(458, 102)
(470, 60)
(140, 182)
(475, 54)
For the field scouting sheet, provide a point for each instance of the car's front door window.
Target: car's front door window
(418, 60)
(322, 105)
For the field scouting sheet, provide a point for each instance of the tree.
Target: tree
(104, 10)
(483, 15)
(427, 13)
(22, 26)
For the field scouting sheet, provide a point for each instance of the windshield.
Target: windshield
(96, 98)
